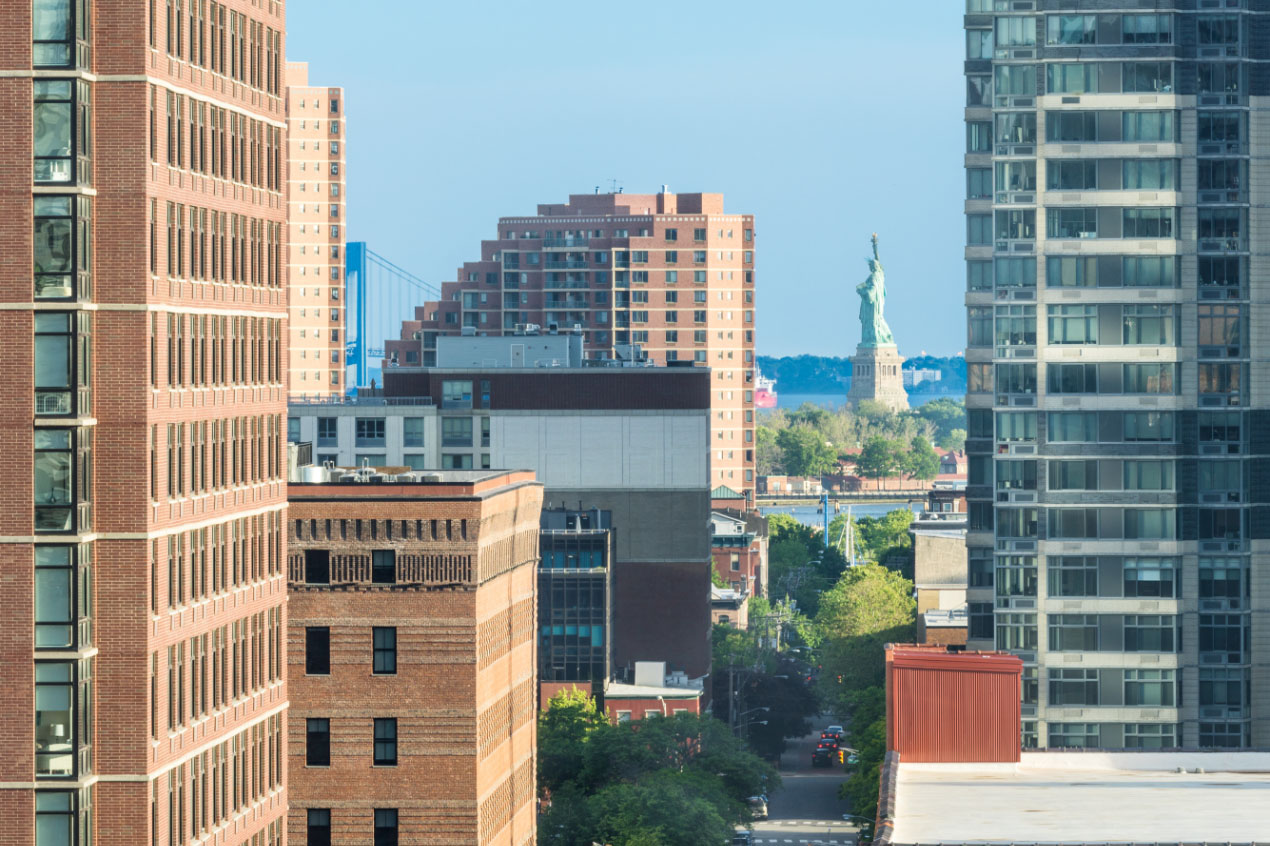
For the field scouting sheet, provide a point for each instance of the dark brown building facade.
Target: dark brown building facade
(413, 659)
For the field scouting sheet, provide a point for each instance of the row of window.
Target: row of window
(220, 350)
(217, 142)
(214, 560)
(1222, 578)
(1112, 77)
(1063, 222)
(215, 785)
(1101, 174)
(211, 246)
(212, 670)
(318, 827)
(317, 650)
(581, 237)
(317, 746)
(1112, 323)
(218, 38)
(1110, 378)
(1228, 429)
(205, 455)
(1105, 271)
(1072, 30)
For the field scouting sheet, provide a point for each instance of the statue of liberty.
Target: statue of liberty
(873, 329)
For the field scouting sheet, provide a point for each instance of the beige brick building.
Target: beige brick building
(315, 233)
(413, 659)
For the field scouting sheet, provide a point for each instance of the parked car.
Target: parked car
(743, 837)
(758, 807)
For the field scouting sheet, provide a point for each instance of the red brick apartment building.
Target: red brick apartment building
(672, 273)
(413, 659)
(143, 314)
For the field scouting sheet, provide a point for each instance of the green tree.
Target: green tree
(921, 462)
(563, 728)
(806, 451)
(955, 440)
(867, 736)
(880, 458)
(868, 607)
(945, 413)
(769, 458)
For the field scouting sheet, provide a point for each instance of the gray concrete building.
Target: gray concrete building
(1119, 414)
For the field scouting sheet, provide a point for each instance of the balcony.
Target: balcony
(568, 264)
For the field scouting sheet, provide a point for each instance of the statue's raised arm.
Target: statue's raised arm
(876, 257)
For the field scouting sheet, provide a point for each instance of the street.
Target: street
(806, 810)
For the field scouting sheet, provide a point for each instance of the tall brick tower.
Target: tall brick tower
(143, 292)
(672, 273)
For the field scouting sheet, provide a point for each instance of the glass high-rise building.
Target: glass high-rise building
(1119, 422)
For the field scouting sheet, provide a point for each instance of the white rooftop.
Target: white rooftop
(1087, 797)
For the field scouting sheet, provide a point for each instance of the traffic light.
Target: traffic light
(841, 757)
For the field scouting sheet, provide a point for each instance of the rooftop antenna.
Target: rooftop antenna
(614, 187)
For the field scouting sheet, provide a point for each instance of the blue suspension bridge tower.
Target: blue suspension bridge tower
(379, 296)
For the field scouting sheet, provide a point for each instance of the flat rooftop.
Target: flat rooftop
(1087, 797)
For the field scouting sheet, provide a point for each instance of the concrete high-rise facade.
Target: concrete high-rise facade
(414, 669)
(1117, 246)
(144, 315)
(672, 273)
(315, 234)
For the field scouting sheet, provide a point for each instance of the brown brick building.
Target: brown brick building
(142, 307)
(672, 273)
(412, 660)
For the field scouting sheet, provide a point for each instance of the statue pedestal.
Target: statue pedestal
(875, 375)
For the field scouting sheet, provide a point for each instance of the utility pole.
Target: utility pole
(824, 511)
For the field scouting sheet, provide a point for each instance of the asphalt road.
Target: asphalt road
(806, 810)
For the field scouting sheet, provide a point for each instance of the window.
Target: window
(1150, 272)
(1015, 32)
(1072, 575)
(698, 234)
(1073, 687)
(1150, 524)
(1073, 632)
(1073, 523)
(1073, 324)
(1071, 29)
(1227, 633)
(1071, 127)
(1152, 174)
(978, 90)
(293, 429)
(979, 333)
(1016, 522)
(327, 432)
(1150, 688)
(1016, 176)
(1072, 427)
(456, 394)
(671, 234)
(384, 647)
(317, 566)
(978, 44)
(319, 827)
(1071, 174)
(1147, 29)
(1149, 126)
(55, 360)
(1073, 475)
(1150, 325)
(1074, 735)
(1016, 632)
(1073, 78)
(978, 229)
(63, 596)
(1013, 81)
(1150, 378)
(1148, 77)
(979, 275)
(412, 431)
(1073, 378)
(1219, 78)
(1016, 224)
(1146, 475)
(385, 742)
(55, 724)
(369, 431)
(979, 620)
(456, 431)
(1016, 378)
(451, 461)
(55, 480)
(1228, 686)
(1016, 426)
(317, 650)
(1150, 577)
(1149, 223)
(385, 827)
(62, 246)
(1071, 222)
(1016, 575)
(62, 123)
(1150, 633)
(978, 183)
(317, 745)
(1015, 325)
(978, 137)
(1217, 29)
(1148, 426)
(383, 566)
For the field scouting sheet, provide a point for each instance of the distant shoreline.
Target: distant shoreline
(838, 400)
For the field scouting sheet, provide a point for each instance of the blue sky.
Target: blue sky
(826, 120)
